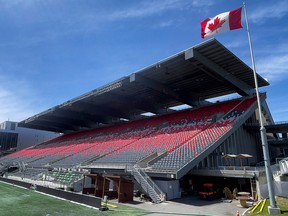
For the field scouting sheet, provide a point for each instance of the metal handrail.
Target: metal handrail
(275, 123)
(149, 180)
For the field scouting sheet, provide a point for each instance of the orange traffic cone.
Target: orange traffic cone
(237, 213)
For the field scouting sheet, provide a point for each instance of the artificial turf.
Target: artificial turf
(18, 201)
(282, 203)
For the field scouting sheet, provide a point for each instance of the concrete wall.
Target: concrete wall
(8, 140)
(27, 137)
(170, 188)
(281, 189)
(30, 137)
(8, 125)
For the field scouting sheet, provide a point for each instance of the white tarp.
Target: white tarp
(281, 189)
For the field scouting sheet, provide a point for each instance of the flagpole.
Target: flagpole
(262, 129)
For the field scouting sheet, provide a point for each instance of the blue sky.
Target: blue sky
(54, 50)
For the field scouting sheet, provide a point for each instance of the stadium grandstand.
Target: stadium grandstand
(131, 135)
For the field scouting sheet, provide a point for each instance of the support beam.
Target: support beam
(86, 120)
(238, 85)
(42, 127)
(159, 87)
(71, 121)
(62, 125)
(101, 110)
(77, 123)
(81, 115)
(134, 103)
(267, 113)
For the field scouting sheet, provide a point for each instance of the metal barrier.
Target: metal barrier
(80, 198)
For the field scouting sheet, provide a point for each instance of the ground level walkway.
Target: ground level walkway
(191, 206)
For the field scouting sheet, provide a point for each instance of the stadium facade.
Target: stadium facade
(170, 152)
(14, 138)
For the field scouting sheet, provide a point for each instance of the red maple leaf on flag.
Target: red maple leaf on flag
(217, 23)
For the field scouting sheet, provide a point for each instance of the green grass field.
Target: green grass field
(23, 202)
(282, 204)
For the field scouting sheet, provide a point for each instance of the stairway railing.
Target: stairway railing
(147, 184)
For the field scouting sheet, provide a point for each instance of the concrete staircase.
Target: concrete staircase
(147, 184)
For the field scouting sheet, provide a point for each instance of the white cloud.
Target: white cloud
(150, 8)
(166, 23)
(274, 67)
(146, 9)
(16, 99)
(280, 110)
(201, 3)
(236, 43)
(274, 10)
(49, 15)
(83, 21)
(272, 61)
(15, 3)
(278, 107)
(273, 48)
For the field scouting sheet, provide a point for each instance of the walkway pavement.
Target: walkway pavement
(191, 206)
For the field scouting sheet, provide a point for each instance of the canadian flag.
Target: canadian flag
(223, 22)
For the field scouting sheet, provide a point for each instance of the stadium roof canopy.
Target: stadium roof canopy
(190, 77)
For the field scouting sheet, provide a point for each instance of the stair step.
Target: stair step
(147, 186)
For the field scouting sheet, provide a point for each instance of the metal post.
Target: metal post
(262, 129)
